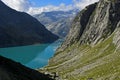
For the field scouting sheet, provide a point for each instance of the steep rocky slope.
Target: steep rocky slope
(91, 49)
(10, 70)
(58, 22)
(19, 28)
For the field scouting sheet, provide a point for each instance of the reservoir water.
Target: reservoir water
(33, 56)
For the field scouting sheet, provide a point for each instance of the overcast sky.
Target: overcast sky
(37, 6)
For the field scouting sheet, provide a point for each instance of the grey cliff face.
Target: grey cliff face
(94, 23)
(102, 23)
(116, 39)
(78, 26)
(19, 28)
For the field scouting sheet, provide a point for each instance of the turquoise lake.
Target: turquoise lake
(33, 56)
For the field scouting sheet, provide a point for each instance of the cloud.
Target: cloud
(38, 10)
(27, 6)
(19, 5)
(82, 3)
(77, 4)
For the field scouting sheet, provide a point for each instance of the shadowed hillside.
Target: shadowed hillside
(10, 70)
(19, 28)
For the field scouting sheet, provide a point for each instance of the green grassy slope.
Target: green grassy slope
(91, 49)
(101, 62)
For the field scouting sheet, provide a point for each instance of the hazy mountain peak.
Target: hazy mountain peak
(58, 22)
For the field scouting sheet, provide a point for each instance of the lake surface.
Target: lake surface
(33, 56)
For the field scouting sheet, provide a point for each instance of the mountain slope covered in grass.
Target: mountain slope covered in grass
(91, 50)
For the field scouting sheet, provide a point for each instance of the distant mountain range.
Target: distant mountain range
(19, 28)
(58, 22)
